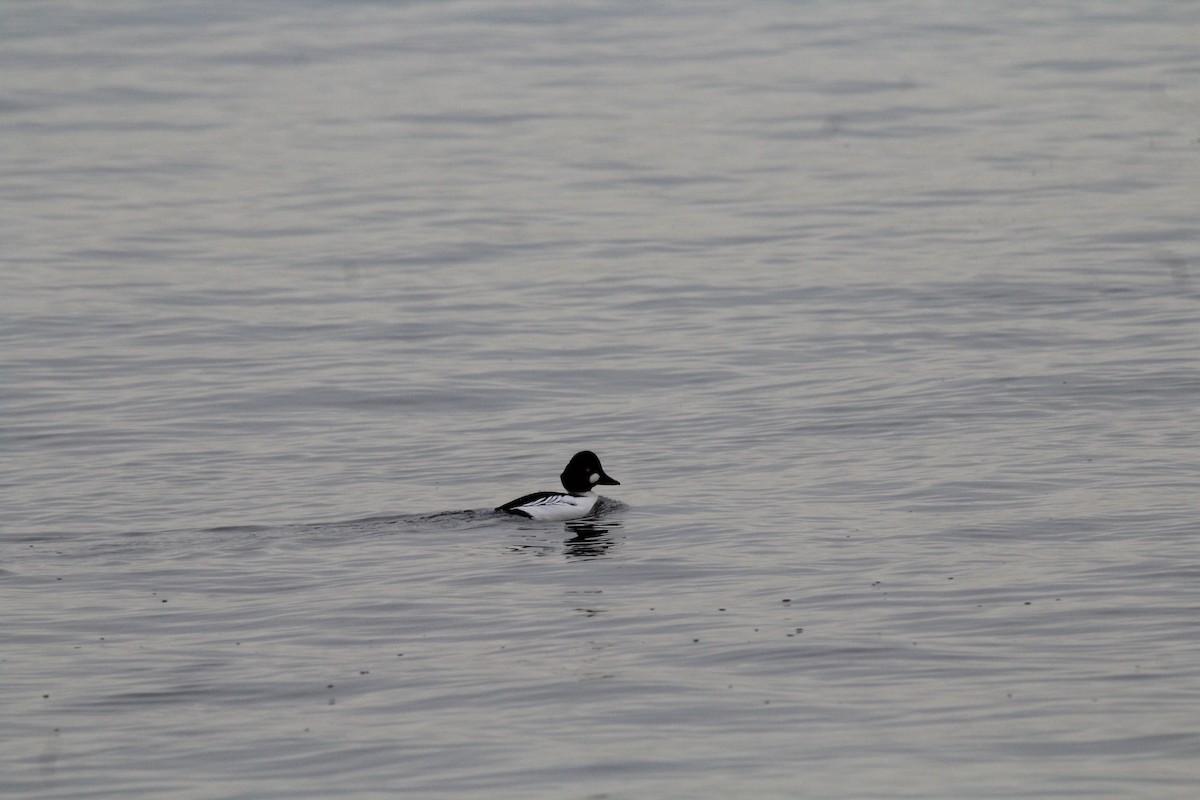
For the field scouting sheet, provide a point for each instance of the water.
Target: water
(885, 316)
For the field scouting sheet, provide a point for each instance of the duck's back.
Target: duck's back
(550, 505)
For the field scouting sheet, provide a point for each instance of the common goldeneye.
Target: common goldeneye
(582, 473)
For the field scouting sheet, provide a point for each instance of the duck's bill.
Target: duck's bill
(604, 480)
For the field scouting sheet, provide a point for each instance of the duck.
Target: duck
(582, 473)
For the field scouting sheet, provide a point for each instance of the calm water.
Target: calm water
(887, 317)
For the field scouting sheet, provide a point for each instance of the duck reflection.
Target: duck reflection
(589, 539)
(585, 539)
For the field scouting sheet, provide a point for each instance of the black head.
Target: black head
(584, 472)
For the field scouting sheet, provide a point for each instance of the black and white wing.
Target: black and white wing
(535, 500)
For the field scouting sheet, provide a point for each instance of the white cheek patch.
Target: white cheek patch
(595, 476)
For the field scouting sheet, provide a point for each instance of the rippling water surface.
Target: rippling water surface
(886, 316)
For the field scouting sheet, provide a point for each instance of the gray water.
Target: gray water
(884, 315)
